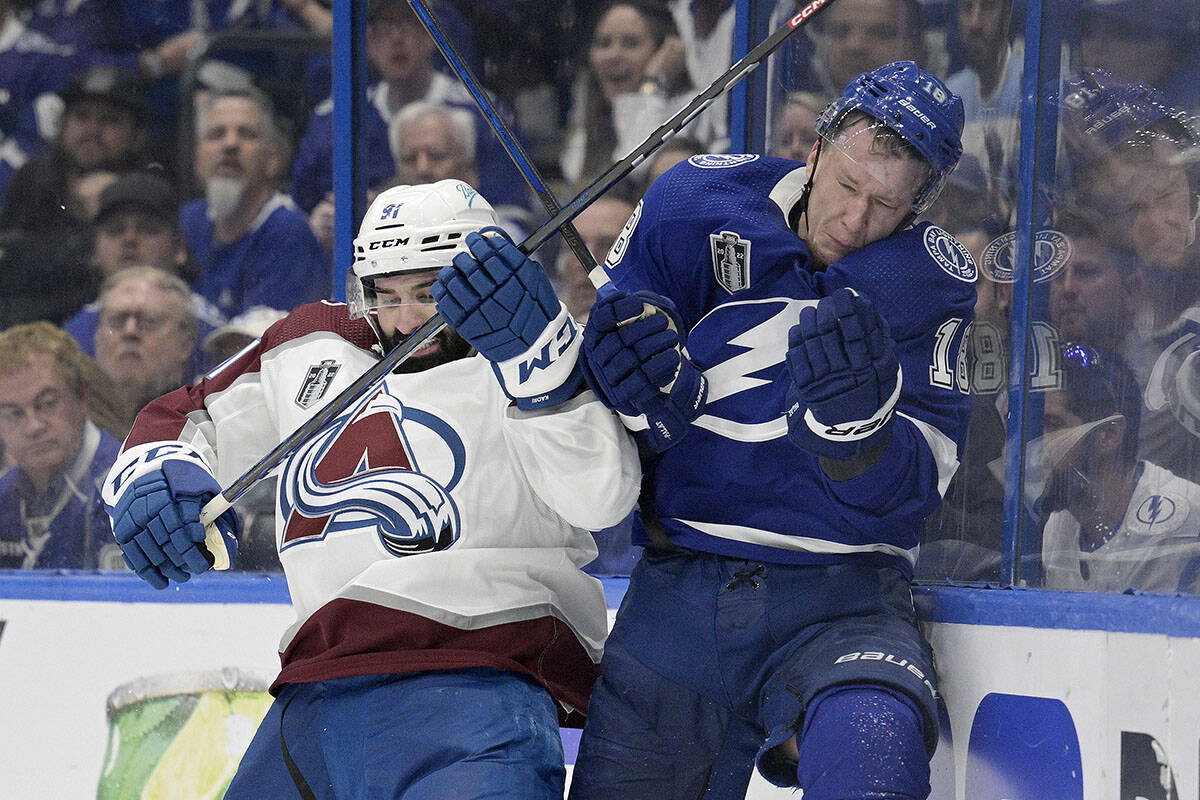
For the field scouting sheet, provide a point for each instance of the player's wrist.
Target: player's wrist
(548, 372)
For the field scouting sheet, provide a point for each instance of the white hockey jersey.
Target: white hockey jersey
(430, 526)
(1155, 549)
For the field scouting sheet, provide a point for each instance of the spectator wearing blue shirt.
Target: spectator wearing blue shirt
(50, 510)
(253, 245)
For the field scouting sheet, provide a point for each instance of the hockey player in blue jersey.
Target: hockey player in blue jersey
(782, 340)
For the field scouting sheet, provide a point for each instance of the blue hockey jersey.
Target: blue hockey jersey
(714, 236)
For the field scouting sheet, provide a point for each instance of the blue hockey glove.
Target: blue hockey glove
(154, 503)
(501, 301)
(635, 361)
(845, 377)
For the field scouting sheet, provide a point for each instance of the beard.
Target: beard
(223, 196)
(450, 347)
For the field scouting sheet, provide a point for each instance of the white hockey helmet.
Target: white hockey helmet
(409, 229)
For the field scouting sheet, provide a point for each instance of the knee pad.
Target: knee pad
(862, 742)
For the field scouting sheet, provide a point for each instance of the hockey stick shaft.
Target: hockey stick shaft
(431, 327)
(502, 130)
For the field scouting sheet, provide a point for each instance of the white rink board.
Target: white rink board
(60, 660)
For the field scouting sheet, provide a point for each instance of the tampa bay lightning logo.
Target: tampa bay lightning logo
(361, 471)
(741, 347)
(721, 160)
(950, 254)
(1156, 510)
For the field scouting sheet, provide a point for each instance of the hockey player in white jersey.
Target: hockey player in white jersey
(783, 340)
(432, 535)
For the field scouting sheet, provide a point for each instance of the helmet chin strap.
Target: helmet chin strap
(801, 208)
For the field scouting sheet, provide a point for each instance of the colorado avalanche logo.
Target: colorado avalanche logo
(361, 471)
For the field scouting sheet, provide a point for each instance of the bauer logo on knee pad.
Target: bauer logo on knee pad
(903, 663)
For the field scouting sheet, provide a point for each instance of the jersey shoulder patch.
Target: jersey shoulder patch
(950, 254)
(721, 160)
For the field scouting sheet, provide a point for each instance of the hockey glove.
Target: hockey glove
(501, 301)
(845, 377)
(154, 495)
(635, 361)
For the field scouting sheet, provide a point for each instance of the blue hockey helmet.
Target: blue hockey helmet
(915, 104)
(1102, 114)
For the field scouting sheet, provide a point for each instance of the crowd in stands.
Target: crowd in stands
(166, 193)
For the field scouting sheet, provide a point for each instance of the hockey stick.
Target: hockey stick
(432, 326)
(511, 144)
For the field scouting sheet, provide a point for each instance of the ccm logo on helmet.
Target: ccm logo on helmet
(387, 243)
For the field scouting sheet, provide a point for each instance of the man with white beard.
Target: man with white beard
(252, 243)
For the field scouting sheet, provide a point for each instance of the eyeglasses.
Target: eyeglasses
(143, 322)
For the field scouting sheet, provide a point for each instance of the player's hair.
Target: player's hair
(272, 132)
(459, 120)
(161, 279)
(1098, 383)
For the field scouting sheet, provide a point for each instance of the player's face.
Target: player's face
(1149, 202)
(405, 303)
(41, 418)
(233, 144)
(859, 195)
(133, 238)
(620, 51)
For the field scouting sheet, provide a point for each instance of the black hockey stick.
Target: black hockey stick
(432, 326)
(511, 144)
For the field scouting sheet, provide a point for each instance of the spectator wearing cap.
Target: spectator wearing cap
(104, 120)
(137, 225)
(50, 510)
(251, 242)
(45, 208)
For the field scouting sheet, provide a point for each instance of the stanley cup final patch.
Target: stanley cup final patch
(731, 260)
(316, 382)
